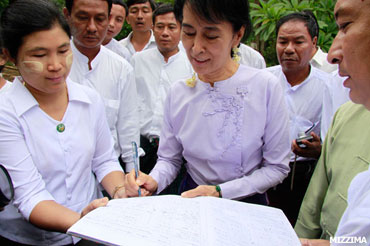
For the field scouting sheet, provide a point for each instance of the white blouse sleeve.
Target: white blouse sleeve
(15, 157)
(169, 151)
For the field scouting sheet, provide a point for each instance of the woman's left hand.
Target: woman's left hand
(94, 204)
(201, 190)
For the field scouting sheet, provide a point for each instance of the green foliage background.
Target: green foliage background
(264, 15)
(3, 4)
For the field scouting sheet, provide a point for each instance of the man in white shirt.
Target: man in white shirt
(101, 69)
(334, 94)
(304, 86)
(140, 19)
(117, 18)
(155, 70)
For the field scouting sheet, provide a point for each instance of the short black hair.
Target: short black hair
(122, 3)
(213, 11)
(69, 4)
(153, 5)
(316, 30)
(24, 17)
(307, 17)
(162, 9)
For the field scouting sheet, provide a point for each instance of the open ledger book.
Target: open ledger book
(173, 220)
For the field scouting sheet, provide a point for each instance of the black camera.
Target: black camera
(303, 136)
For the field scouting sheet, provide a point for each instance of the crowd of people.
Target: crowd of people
(199, 102)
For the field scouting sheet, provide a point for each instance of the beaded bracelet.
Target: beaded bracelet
(218, 189)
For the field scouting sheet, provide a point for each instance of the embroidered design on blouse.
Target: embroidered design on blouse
(242, 91)
(232, 107)
(192, 81)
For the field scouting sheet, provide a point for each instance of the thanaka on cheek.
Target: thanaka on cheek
(69, 60)
(32, 66)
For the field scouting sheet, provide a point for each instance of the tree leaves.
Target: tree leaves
(266, 13)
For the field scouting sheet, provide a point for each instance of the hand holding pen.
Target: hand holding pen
(138, 183)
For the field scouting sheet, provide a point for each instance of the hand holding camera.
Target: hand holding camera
(303, 136)
(312, 148)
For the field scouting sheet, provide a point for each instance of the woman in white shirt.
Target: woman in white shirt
(55, 141)
(229, 121)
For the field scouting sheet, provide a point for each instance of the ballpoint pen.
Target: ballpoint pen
(136, 164)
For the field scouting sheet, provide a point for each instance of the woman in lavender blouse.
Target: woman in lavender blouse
(229, 121)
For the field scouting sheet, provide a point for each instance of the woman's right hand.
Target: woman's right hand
(94, 204)
(144, 182)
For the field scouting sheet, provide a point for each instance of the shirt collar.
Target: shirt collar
(170, 59)
(28, 101)
(296, 87)
(319, 57)
(151, 39)
(83, 59)
(76, 93)
(20, 91)
(128, 38)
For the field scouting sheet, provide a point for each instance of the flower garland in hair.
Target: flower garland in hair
(236, 54)
(192, 81)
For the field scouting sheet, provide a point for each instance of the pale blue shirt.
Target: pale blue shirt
(154, 76)
(234, 134)
(45, 164)
(113, 78)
